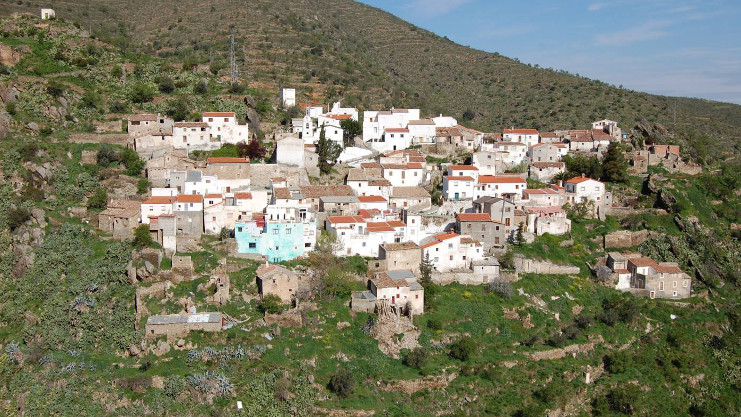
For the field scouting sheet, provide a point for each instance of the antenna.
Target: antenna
(234, 71)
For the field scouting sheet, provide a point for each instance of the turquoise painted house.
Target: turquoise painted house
(277, 240)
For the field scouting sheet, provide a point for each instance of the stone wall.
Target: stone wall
(625, 239)
(111, 126)
(530, 266)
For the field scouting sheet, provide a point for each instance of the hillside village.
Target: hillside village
(330, 259)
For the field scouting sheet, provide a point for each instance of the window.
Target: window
(239, 229)
(451, 257)
(685, 283)
(253, 245)
(307, 245)
(674, 294)
(661, 286)
(674, 285)
(210, 119)
(288, 231)
(436, 259)
(469, 226)
(275, 231)
(277, 248)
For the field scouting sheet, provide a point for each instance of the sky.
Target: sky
(671, 47)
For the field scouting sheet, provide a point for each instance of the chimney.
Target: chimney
(582, 175)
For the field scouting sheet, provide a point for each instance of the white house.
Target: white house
(290, 151)
(357, 236)
(451, 251)
(373, 202)
(542, 197)
(393, 139)
(193, 136)
(581, 189)
(529, 137)
(376, 122)
(485, 162)
(400, 288)
(225, 127)
(404, 175)
(287, 97)
(189, 202)
(47, 14)
(338, 110)
(510, 187)
(155, 207)
(422, 131)
(460, 181)
(510, 153)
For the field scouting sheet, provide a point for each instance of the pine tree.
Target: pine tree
(328, 151)
(425, 271)
(520, 238)
(614, 165)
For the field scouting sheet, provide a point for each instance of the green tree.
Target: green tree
(614, 164)
(519, 237)
(227, 150)
(342, 382)
(463, 348)
(166, 84)
(425, 271)
(328, 152)
(178, 108)
(134, 164)
(143, 186)
(142, 237)
(99, 200)
(141, 93)
(271, 303)
(337, 282)
(350, 129)
(417, 358)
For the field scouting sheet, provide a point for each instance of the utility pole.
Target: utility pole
(234, 70)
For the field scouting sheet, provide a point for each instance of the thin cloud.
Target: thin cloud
(646, 32)
(596, 6)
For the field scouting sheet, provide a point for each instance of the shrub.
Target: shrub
(533, 340)
(271, 303)
(556, 339)
(141, 93)
(434, 324)
(117, 106)
(417, 358)
(98, 200)
(175, 385)
(342, 382)
(571, 332)
(55, 88)
(106, 155)
(10, 108)
(463, 349)
(503, 289)
(201, 87)
(134, 164)
(584, 321)
(143, 186)
(166, 85)
(17, 216)
(142, 238)
(617, 363)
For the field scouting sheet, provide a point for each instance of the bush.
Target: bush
(503, 289)
(556, 339)
(271, 303)
(55, 88)
(584, 321)
(143, 186)
(117, 106)
(342, 383)
(434, 324)
(201, 87)
(619, 400)
(617, 363)
(10, 108)
(17, 216)
(463, 349)
(142, 238)
(572, 331)
(141, 93)
(134, 164)
(618, 309)
(417, 358)
(99, 200)
(166, 85)
(175, 385)
(106, 155)
(533, 340)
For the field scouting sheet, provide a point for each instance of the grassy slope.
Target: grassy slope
(340, 48)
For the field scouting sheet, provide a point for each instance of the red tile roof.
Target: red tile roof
(473, 217)
(158, 200)
(339, 116)
(345, 219)
(243, 196)
(189, 198)
(396, 130)
(641, 262)
(214, 196)
(371, 199)
(497, 179)
(579, 180)
(462, 168)
(190, 124)
(522, 131)
(452, 178)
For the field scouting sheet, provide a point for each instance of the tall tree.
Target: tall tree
(328, 152)
(614, 164)
(425, 271)
(350, 129)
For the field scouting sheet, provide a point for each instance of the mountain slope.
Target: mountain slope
(332, 49)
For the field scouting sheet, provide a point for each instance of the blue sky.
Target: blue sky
(671, 47)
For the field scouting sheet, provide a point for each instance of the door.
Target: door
(653, 295)
(456, 196)
(393, 300)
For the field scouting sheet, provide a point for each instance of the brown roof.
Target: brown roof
(411, 165)
(379, 182)
(189, 198)
(399, 246)
(282, 193)
(640, 262)
(383, 280)
(421, 122)
(579, 180)
(316, 191)
(345, 219)
(396, 130)
(158, 200)
(356, 174)
(371, 199)
(600, 135)
(521, 131)
(409, 192)
(549, 164)
(462, 168)
(668, 269)
(473, 217)
(470, 240)
(143, 118)
(122, 208)
(370, 165)
(457, 178)
(243, 196)
(499, 179)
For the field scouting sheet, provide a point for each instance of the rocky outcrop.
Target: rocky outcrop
(11, 55)
(530, 266)
(624, 239)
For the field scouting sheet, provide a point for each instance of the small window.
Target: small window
(239, 229)
(253, 245)
(275, 231)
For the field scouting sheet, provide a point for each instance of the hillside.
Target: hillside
(332, 49)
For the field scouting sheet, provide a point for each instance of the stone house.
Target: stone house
(400, 288)
(278, 280)
(480, 226)
(499, 209)
(487, 269)
(547, 152)
(660, 280)
(410, 197)
(149, 124)
(226, 168)
(163, 229)
(179, 325)
(545, 171)
(542, 220)
(404, 255)
(120, 218)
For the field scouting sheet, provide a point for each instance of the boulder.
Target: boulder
(134, 350)
(33, 126)
(162, 348)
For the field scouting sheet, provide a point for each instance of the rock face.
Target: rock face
(11, 55)
(529, 266)
(625, 238)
